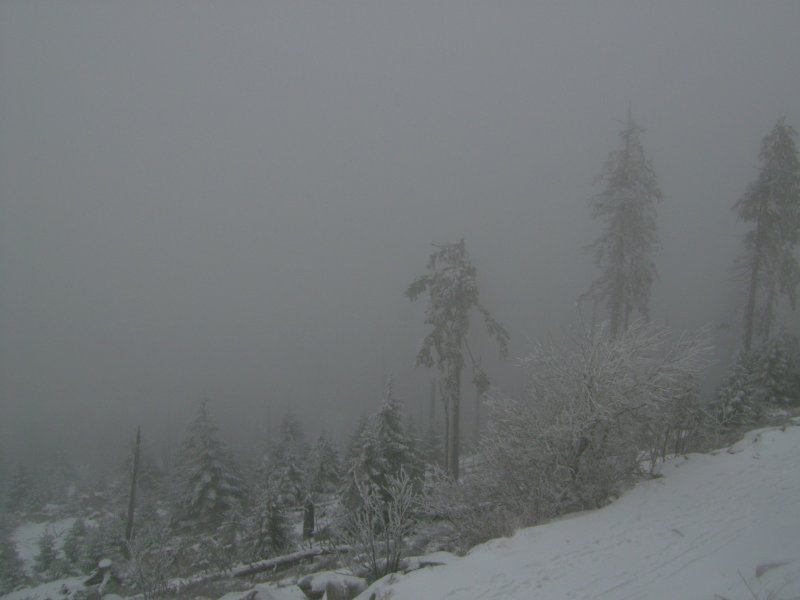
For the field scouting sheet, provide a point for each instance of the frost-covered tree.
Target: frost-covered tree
(326, 474)
(47, 555)
(268, 530)
(396, 445)
(772, 205)
(21, 490)
(74, 542)
(452, 288)
(208, 481)
(12, 570)
(288, 463)
(766, 377)
(623, 252)
(383, 449)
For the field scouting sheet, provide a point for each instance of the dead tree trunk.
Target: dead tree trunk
(132, 496)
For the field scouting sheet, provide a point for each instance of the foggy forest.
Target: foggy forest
(296, 297)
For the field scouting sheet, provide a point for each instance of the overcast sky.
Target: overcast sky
(228, 199)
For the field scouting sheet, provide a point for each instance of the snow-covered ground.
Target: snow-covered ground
(713, 526)
(27, 537)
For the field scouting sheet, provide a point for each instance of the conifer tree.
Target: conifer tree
(451, 284)
(384, 448)
(627, 208)
(12, 571)
(268, 528)
(325, 466)
(74, 542)
(47, 556)
(208, 480)
(21, 490)
(396, 445)
(288, 469)
(772, 205)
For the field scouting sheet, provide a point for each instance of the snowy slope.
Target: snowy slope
(711, 521)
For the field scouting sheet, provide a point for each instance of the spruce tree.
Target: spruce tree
(288, 466)
(74, 542)
(269, 533)
(21, 491)
(384, 448)
(627, 208)
(208, 480)
(47, 556)
(452, 288)
(396, 445)
(772, 205)
(325, 466)
(12, 570)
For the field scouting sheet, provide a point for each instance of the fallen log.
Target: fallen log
(176, 586)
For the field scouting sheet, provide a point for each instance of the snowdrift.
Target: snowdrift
(713, 526)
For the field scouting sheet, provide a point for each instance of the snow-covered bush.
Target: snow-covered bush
(764, 378)
(377, 529)
(468, 508)
(594, 404)
(152, 560)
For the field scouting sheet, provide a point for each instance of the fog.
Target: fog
(228, 200)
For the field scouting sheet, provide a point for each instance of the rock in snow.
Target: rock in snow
(337, 586)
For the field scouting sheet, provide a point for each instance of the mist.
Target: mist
(228, 201)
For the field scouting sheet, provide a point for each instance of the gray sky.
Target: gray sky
(229, 199)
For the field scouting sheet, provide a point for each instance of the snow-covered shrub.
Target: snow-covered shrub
(764, 378)
(152, 560)
(469, 509)
(593, 406)
(376, 530)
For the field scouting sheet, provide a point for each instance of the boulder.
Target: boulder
(315, 586)
(345, 588)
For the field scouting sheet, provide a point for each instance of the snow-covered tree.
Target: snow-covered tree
(268, 531)
(21, 490)
(384, 448)
(326, 474)
(207, 478)
(766, 377)
(288, 464)
(12, 570)
(396, 445)
(772, 204)
(452, 288)
(74, 543)
(623, 252)
(47, 555)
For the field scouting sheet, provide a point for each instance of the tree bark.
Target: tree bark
(132, 496)
(750, 308)
(454, 435)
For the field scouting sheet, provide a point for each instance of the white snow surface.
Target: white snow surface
(27, 536)
(52, 590)
(712, 526)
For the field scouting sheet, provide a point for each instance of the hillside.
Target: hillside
(711, 527)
